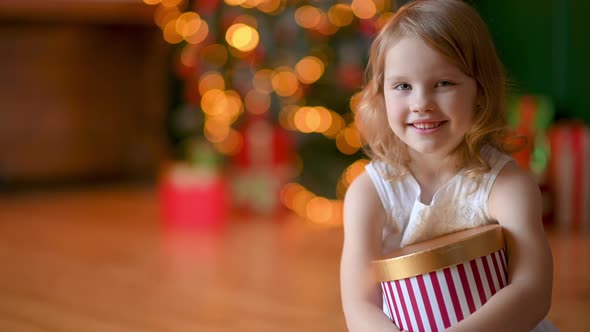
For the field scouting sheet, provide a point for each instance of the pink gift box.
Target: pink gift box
(569, 175)
(432, 285)
(190, 197)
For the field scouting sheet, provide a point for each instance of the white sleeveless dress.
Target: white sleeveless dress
(460, 204)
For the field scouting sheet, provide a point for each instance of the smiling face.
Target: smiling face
(430, 102)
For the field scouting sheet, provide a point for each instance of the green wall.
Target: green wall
(545, 46)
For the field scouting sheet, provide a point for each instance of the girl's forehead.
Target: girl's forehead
(411, 55)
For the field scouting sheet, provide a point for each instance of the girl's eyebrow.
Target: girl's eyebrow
(396, 78)
(440, 75)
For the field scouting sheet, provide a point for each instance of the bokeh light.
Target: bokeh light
(171, 36)
(210, 101)
(272, 7)
(242, 37)
(216, 130)
(301, 198)
(307, 119)
(284, 81)
(348, 141)
(363, 9)
(336, 125)
(288, 192)
(165, 15)
(308, 17)
(199, 35)
(309, 69)
(319, 210)
(232, 144)
(211, 80)
(326, 119)
(222, 105)
(315, 209)
(188, 23)
(325, 27)
(340, 15)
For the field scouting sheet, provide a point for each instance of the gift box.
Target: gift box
(432, 285)
(569, 175)
(263, 166)
(530, 116)
(192, 197)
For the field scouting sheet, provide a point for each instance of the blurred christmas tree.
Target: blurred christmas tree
(294, 66)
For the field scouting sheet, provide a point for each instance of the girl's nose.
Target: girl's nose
(421, 101)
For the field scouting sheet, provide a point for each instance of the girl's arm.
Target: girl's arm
(515, 201)
(361, 294)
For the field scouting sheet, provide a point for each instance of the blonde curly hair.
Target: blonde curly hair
(456, 30)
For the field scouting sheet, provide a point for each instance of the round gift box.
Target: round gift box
(431, 285)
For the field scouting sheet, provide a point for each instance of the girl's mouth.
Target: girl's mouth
(427, 125)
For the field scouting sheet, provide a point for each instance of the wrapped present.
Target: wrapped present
(262, 167)
(530, 116)
(190, 197)
(194, 193)
(569, 175)
(432, 285)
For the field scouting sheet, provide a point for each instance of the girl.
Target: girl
(432, 114)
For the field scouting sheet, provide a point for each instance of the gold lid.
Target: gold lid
(439, 253)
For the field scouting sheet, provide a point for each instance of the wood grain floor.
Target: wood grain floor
(98, 260)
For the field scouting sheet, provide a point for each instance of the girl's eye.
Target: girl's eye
(402, 86)
(444, 83)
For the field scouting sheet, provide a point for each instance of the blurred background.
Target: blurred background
(196, 137)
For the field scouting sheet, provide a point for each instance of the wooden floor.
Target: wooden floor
(98, 260)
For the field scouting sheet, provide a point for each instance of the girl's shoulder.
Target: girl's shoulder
(361, 184)
(362, 203)
(511, 177)
(514, 187)
(361, 191)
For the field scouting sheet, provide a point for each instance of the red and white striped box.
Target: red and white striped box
(432, 285)
(569, 175)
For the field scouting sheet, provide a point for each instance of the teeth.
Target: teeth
(427, 125)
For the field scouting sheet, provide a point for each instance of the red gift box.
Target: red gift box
(569, 175)
(530, 116)
(190, 197)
